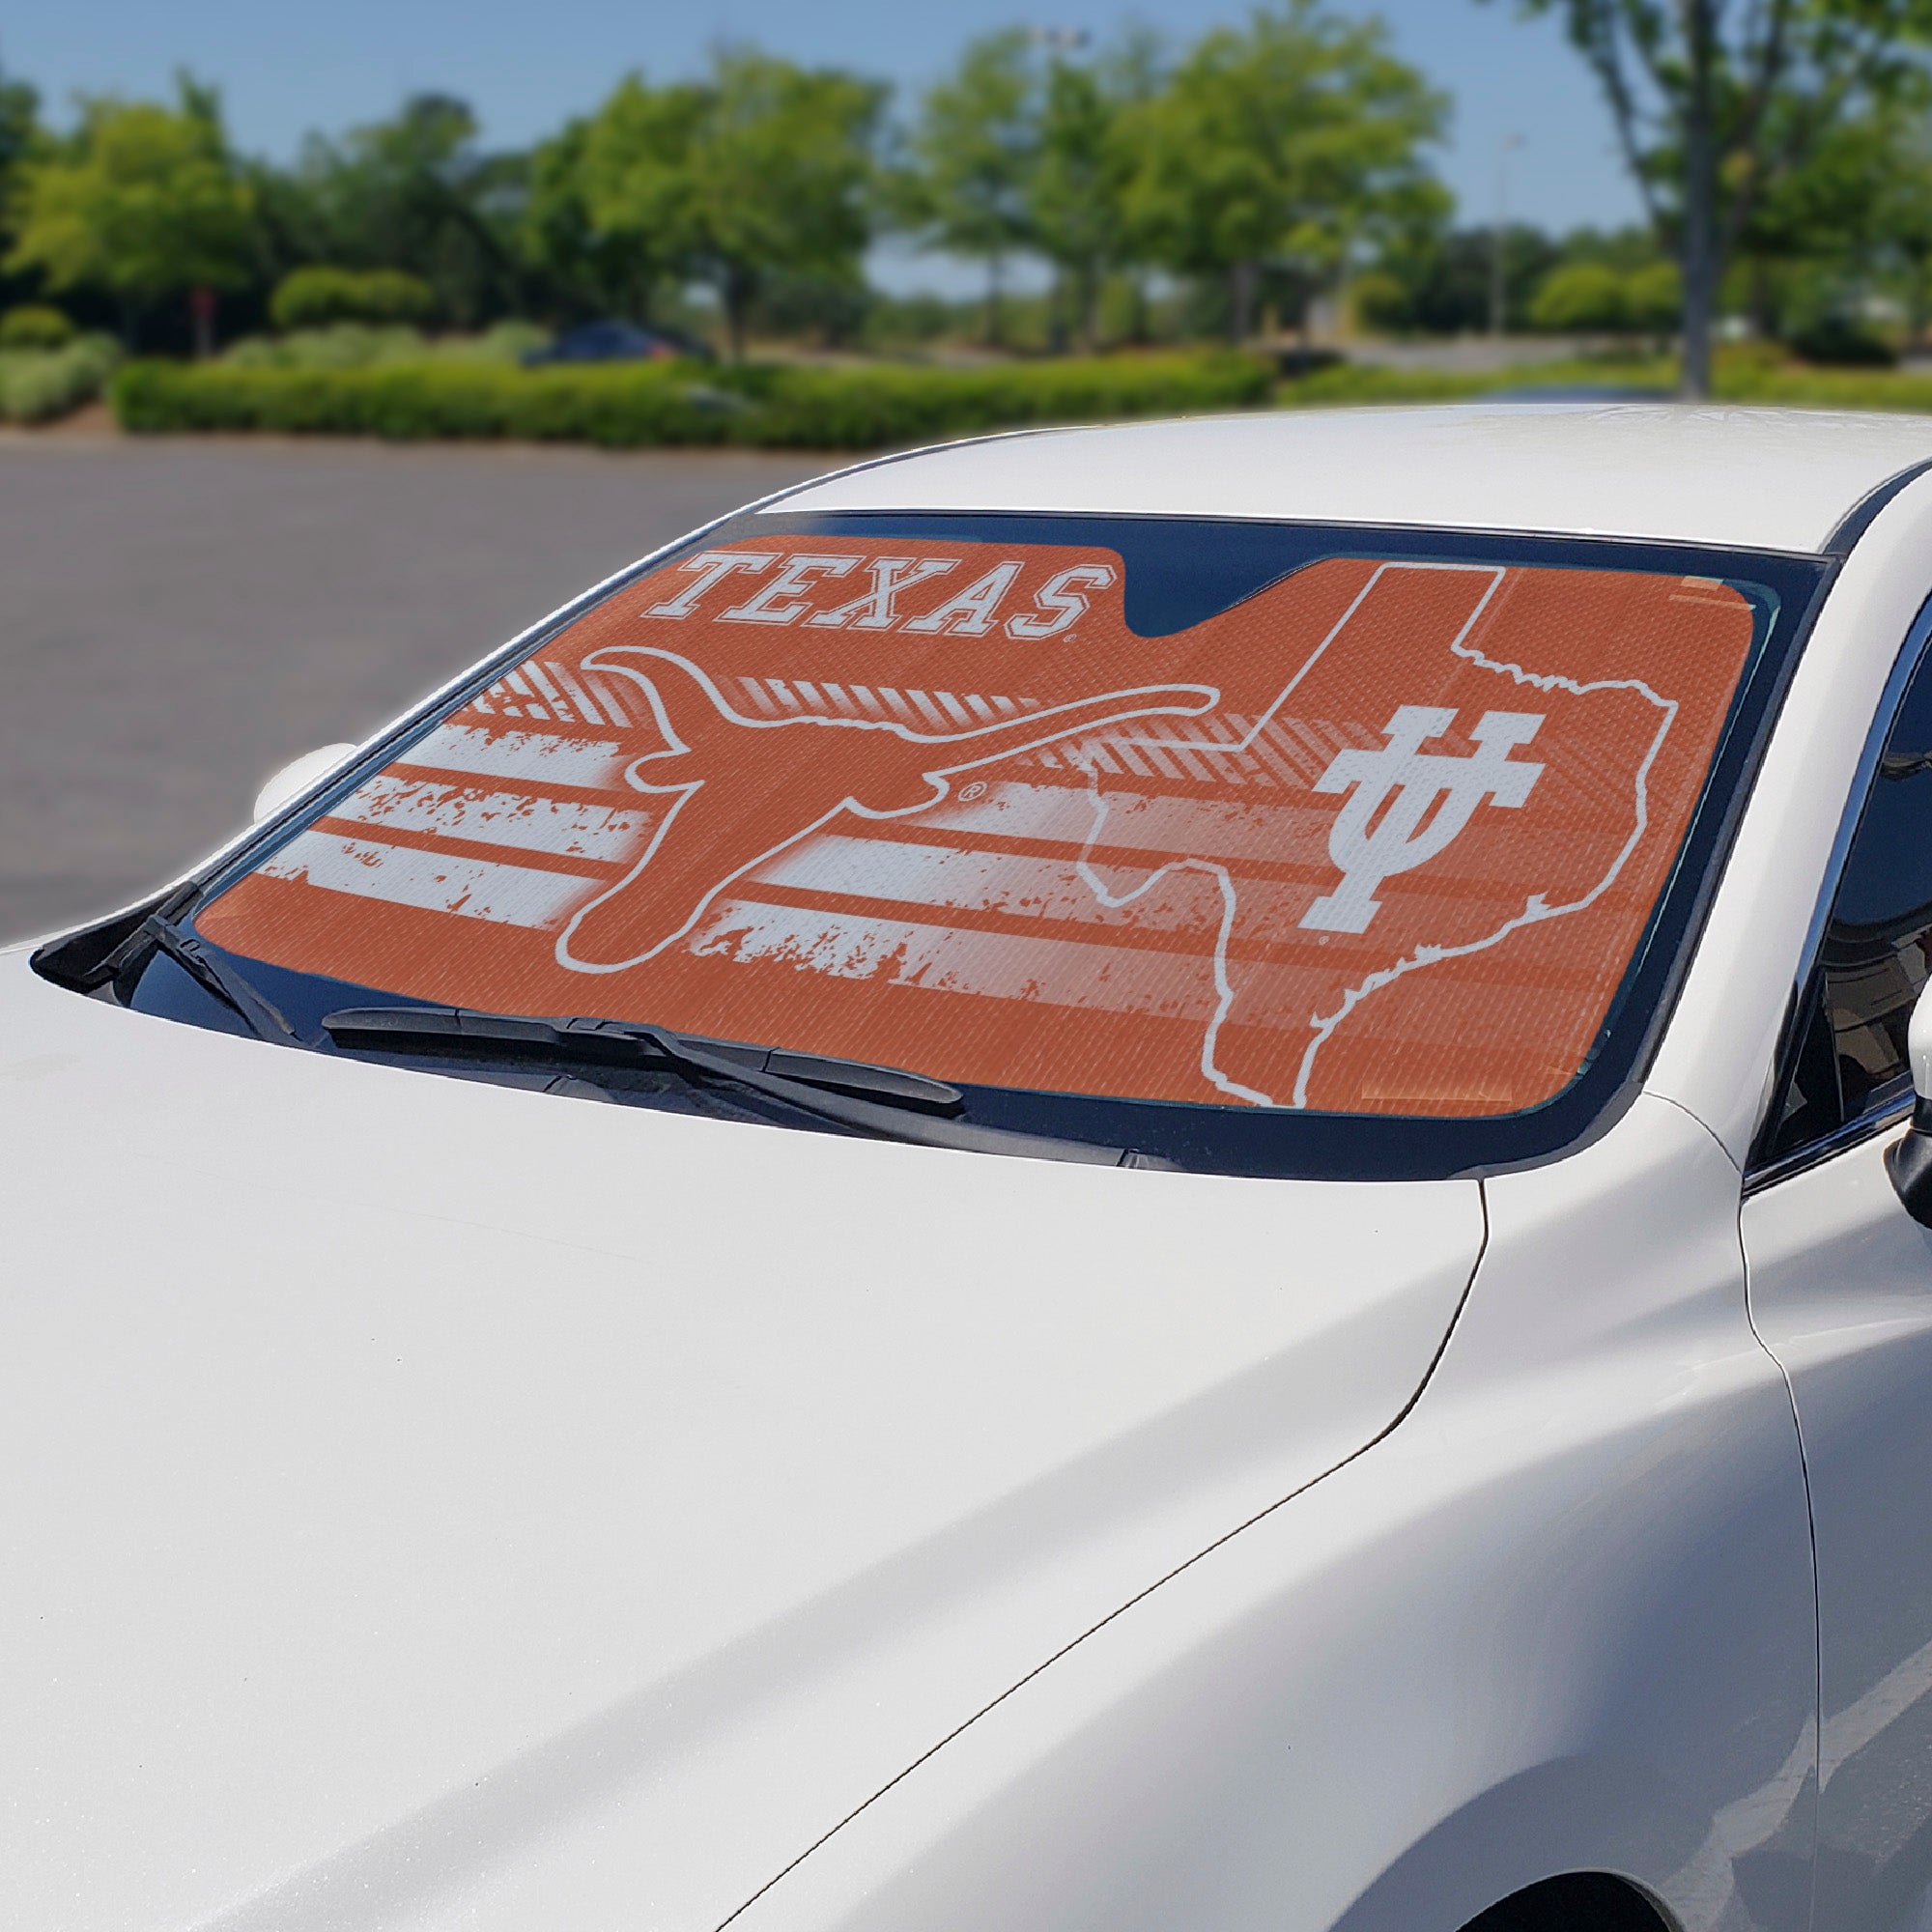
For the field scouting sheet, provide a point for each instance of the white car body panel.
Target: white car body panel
(442, 1484)
(457, 1507)
(1774, 479)
(1842, 1292)
(1560, 1612)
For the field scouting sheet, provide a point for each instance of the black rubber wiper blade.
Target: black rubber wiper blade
(374, 1026)
(895, 1086)
(887, 1103)
(210, 971)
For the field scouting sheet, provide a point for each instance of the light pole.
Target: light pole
(1499, 235)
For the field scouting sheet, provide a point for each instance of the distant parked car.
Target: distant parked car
(617, 342)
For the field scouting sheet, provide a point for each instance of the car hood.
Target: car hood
(430, 1503)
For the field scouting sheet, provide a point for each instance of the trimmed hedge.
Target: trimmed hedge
(1372, 383)
(866, 408)
(416, 401)
(1347, 384)
(1829, 388)
(1747, 374)
(817, 407)
(41, 384)
(634, 405)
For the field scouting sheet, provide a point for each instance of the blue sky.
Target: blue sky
(284, 70)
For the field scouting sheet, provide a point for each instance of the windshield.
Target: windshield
(1202, 820)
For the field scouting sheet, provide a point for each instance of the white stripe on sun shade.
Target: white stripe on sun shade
(1048, 971)
(404, 875)
(524, 822)
(538, 755)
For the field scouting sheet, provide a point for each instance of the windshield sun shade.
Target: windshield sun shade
(1364, 831)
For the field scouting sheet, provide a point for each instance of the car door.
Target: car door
(1840, 1286)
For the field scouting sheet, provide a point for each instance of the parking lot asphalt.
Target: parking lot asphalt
(178, 618)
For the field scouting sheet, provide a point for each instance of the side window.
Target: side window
(1849, 1057)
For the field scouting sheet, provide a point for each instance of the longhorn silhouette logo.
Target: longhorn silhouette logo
(739, 790)
(1428, 797)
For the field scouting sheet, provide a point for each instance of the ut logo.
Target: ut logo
(1434, 798)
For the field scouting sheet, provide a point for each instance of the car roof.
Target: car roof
(1774, 479)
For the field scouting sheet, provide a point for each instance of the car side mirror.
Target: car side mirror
(1909, 1161)
(296, 776)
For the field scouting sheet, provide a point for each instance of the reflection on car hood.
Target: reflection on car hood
(433, 1503)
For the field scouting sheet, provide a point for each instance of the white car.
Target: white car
(1120, 1180)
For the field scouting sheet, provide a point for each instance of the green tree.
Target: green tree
(1445, 277)
(761, 170)
(317, 296)
(1283, 142)
(1813, 233)
(780, 176)
(614, 199)
(1580, 296)
(20, 131)
(1382, 301)
(1854, 221)
(558, 239)
(415, 193)
(973, 154)
(142, 201)
(1077, 210)
(1075, 195)
(1900, 212)
(1653, 298)
(21, 136)
(596, 269)
(1714, 107)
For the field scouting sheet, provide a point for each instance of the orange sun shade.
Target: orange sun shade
(1381, 839)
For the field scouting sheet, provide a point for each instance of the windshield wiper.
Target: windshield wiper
(885, 1101)
(213, 975)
